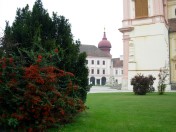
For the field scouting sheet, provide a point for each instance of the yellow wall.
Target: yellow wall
(173, 56)
(171, 8)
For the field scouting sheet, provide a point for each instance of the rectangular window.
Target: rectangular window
(98, 62)
(116, 72)
(141, 8)
(86, 61)
(103, 62)
(92, 71)
(103, 71)
(92, 61)
(98, 71)
(122, 71)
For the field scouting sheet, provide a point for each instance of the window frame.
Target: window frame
(98, 62)
(98, 71)
(103, 71)
(116, 72)
(92, 71)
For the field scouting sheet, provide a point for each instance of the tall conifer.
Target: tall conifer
(36, 27)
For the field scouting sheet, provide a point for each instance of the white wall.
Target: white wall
(101, 67)
(110, 72)
(117, 74)
(148, 50)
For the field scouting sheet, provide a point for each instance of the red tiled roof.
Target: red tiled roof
(117, 62)
(92, 50)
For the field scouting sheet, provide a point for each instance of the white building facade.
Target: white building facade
(99, 70)
(103, 69)
(145, 39)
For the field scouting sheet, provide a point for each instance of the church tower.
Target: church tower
(105, 45)
(145, 39)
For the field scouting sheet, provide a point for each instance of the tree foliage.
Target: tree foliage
(162, 80)
(38, 96)
(36, 27)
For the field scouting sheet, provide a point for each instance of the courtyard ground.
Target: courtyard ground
(105, 89)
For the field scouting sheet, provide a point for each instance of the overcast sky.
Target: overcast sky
(87, 17)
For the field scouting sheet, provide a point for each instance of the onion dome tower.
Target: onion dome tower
(104, 44)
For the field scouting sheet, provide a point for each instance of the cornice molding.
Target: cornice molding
(126, 29)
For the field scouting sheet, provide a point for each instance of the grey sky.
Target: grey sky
(87, 17)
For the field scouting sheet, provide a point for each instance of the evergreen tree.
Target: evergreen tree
(36, 27)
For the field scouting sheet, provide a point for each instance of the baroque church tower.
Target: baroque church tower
(145, 39)
(105, 45)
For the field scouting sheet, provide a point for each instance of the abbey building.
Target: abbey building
(149, 39)
(103, 69)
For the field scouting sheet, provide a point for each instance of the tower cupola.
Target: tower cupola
(104, 44)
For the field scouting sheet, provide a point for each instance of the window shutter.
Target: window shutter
(137, 8)
(145, 8)
(141, 8)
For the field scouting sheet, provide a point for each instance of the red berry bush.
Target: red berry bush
(36, 95)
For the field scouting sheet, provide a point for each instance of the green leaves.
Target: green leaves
(13, 122)
(37, 94)
(36, 39)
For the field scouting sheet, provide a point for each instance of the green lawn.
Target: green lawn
(126, 112)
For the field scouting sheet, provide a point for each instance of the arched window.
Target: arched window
(141, 8)
(103, 80)
(92, 80)
(92, 71)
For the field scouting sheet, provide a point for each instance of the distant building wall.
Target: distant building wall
(98, 68)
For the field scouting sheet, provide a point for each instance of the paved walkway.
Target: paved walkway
(105, 89)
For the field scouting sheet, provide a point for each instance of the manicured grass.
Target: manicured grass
(126, 112)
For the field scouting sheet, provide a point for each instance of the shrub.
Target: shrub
(142, 84)
(35, 94)
(151, 82)
(162, 79)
